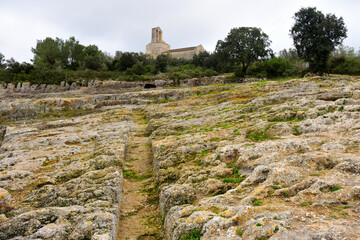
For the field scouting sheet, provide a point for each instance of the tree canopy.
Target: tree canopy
(316, 36)
(2, 61)
(70, 54)
(243, 46)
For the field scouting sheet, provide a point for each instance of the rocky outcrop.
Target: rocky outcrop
(64, 177)
(265, 161)
(255, 160)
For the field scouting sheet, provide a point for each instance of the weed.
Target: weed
(276, 229)
(258, 225)
(276, 187)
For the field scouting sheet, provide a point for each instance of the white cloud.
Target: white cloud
(126, 25)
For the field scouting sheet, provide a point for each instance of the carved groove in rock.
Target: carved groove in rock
(139, 211)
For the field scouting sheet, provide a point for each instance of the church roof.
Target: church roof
(180, 50)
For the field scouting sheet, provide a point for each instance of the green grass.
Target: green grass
(233, 180)
(131, 174)
(240, 232)
(296, 131)
(193, 235)
(204, 152)
(215, 210)
(259, 135)
(335, 188)
(131, 160)
(304, 204)
(67, 113)
(257, 202)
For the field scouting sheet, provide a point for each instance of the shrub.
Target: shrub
(345, 65)
(274, 67)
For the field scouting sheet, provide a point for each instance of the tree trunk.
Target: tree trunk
(244, 68)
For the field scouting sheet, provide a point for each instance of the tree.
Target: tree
(93, 57)
(243, 46)
(161, 63)
(13, 66)
(290, 54)
(206, 60)
(126, 60)
(50, 54)
(316, 36)
(2, 62)
(74, 52)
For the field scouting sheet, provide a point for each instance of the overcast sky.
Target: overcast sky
(125, 25)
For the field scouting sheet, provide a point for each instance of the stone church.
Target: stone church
(158, 46)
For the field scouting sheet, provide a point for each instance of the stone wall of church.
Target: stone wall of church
(187, 54)
(154, 49)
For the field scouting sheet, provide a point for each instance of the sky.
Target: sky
(119, 25)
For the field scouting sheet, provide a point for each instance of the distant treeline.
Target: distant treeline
(244, 52)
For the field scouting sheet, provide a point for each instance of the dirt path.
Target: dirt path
(139, 210)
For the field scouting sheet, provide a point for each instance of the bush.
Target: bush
(345, 65)
(239, 73)
(274, 67)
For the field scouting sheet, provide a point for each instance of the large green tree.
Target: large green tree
(70, 54)
(316, 36)
(48, 53)
(93, 57)
(244, 46)
(74, 52)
